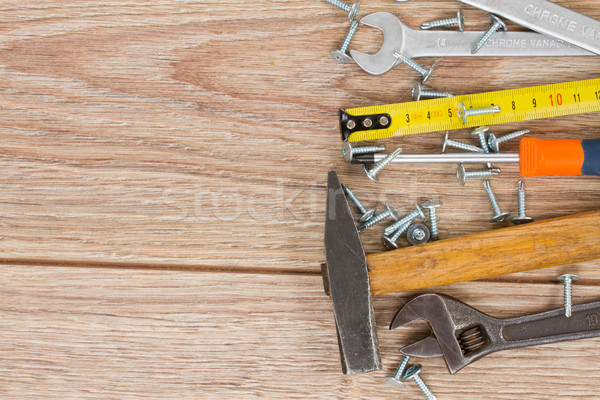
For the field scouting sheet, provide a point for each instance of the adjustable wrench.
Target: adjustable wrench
(463, 334)
(398, 37)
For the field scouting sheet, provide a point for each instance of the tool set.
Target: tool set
(462, 334)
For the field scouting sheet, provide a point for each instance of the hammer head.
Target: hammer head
(347, 280)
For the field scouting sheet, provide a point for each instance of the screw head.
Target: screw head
(397, 383)
(493, 143)
(340, 57)
(371, 176)
(461, 174)
(429, 204)
(347, 151)
(461, 20)
(461, 110)
(522, 220)
(354, 11)
(393, 210)
(427, 75)
(368, 215)
(412, 371)
(390, 245)
(418, 234)
(500, 217)
(416, 91)
(563, 277)
(419, 211)
(444, 145)
(480, 130)
(496, 20)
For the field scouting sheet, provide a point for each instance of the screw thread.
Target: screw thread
(491, 197)
(423, 387)
(440, 23)
(349, 36)
(340, 4)
(486, 36)
(521, 200)
(463, 146)
(367, 149)
(433, 222)
(483, 173)
(375, 220)
(398, 224)
(482, 111)
(433, 94)
(568, 296)
(484, 145)
(401, 368)
(512, 135)
(354, 199)
(397, 235)
(411, 63)
(384, 163)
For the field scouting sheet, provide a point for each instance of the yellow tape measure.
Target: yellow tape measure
(537, 102)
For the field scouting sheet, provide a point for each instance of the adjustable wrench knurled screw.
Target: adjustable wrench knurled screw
(567, 280)
(458, 20)
(425, 73)
(459, 145)
(349, 152)
(432, 205)
(463, 175)
(340, 54)
(390, 242)
(499, 216)
(365, 214)
(413, 373)
(494, 142)
(351, 10)
(464, 113)
(522, 218)
(372, 173)
(418, 92)
(497, 24)
(391, 212)
(396, 379)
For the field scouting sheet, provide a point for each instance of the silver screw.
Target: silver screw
(349, 152)
(458, 20)
(464, 114)
(522, 218)
(390, 242)
(463, 175)
(425, 73)
(418, 234)
(418, 92)
(480, 132)
(497, 24)
(494, 142)
(406, 219)
(372, 173)
(499, 215)
(567, 279)
(459, 145)
(391, 212)
(396, 379)
(340, 55)
(432, 205)
(351, 10)
(366, 214)
(413, 373)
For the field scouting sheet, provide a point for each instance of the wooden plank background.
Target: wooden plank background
(141, 139)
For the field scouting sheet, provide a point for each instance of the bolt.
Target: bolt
(459, 145)
(432, 205)
(413, 373)
(463, 175)
(366, 214)
(463, 113)
(499, 215)
(497, 24)
(418, 92)
(390, 212)
(458, 20)
(522, 218)
(390, 241)
(372, 173)
(340, 54)
(567, 280)
(493, 141)
(349, 152)
(425, 73)
(418, 234)
(406, 219)
(351, 10)
(396, 380)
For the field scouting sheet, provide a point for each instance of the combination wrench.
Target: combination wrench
(398, 37)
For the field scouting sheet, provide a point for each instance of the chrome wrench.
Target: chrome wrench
(398, 37)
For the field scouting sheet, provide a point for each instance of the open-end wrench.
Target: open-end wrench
(398, 37)
(463, 334)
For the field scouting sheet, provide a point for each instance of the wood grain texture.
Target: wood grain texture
(197, 135)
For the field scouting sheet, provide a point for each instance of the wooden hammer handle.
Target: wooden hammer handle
(557, 241)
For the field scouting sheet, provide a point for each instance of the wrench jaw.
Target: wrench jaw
(393, 41)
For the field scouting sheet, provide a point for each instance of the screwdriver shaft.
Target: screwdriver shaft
(442, 158)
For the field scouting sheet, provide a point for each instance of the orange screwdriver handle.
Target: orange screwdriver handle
(540, 157)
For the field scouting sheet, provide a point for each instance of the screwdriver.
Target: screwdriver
(536, 157)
